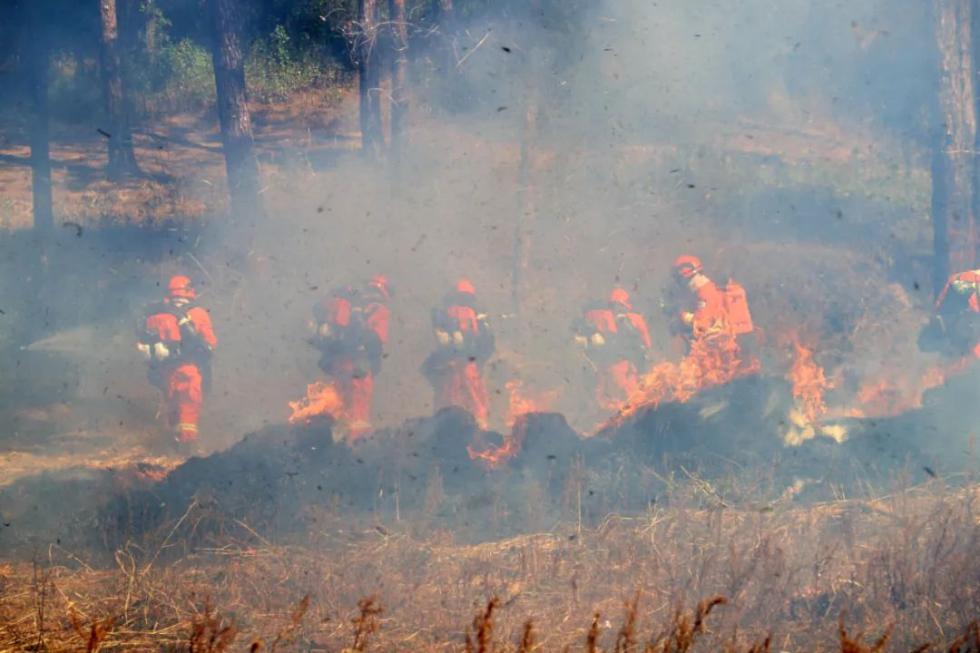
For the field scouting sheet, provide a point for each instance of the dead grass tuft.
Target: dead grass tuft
(366, 622)
(211, 633)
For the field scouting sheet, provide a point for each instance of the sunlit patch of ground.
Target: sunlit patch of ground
(56, 438)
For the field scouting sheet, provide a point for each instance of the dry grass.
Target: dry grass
(903, 572)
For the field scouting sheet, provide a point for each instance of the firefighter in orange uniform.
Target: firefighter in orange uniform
(957, 320)
(464, 343)
(617, 341)
(351, 330)
(711, 311)
(177, 339)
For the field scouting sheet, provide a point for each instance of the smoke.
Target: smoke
(570, 150)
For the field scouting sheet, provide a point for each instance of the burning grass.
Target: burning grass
(902, 570)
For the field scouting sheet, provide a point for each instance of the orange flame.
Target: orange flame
(809, 382)
(497, 457)
(712, 360)
(895, 393)
(321, 399)
(520, 406)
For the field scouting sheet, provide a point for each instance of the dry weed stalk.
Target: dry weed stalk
(968, 642)
(366, 622)
(286, 634)
(97, 633)
(527, 638)
(593, 637)
(761, 647)
(849, 645)
(39, 584)
(483, 625)
(626, 639)
(210, 633)
(684, 630)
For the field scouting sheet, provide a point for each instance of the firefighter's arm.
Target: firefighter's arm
(201, 321)
(644, 332)
(377, 320)
(637, 325)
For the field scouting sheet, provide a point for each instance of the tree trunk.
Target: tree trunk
(236, 124)
(122, 160)
(399, 72)
(39, 54)
(369, 79)
(954, 168)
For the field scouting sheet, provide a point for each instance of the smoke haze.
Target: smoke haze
(566, 153)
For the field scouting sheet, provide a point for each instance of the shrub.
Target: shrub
(176, 76)
(275, 69)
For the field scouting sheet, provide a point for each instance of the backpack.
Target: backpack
(171, 326)
(737, 309)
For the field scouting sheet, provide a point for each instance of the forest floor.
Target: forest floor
(181, 162)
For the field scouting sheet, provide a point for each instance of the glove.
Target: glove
(442, 337)
(963, 287)
(582, 341)
(144, 349)
(161, 352)
(457, 338)
(598, 340)
(324, 330)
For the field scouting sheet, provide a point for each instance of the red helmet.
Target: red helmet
(619, 296)
(686, 266)
(380, 282)
(465, 286)
(180, 286)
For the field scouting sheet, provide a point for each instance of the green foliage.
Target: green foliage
(275, 69)
(182, 76)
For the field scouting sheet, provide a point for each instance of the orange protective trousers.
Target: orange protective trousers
(356, 389)
(462, 385)
(184, 398)
(616, 384)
